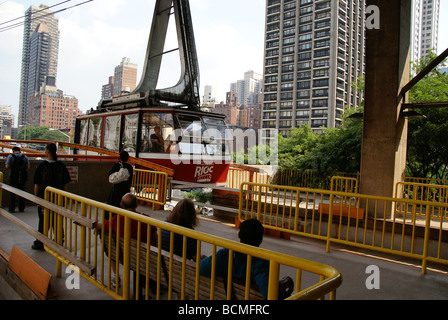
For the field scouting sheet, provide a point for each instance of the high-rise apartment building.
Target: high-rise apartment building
(209, 97)
(425, 27)
(314, 52)
(107, 92)
(125, 77)
(39, 54)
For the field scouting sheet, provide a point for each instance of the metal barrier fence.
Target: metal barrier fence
(150, 186)
(422, 191)
(73, 227)
(426, 180)
(389, 225)
(307, 178)
(344, 184)
(237, 176)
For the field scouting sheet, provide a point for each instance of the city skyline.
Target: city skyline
(97, 35)
(230, 42)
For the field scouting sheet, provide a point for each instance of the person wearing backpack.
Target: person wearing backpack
(49, 173)
(19, 165)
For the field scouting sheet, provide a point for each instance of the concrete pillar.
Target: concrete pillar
(384, 146)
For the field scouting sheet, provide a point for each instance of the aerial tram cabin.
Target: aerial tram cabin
(164, 126)
(196, 145)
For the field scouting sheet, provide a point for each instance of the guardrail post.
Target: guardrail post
(274, 272)
(126, 258)
(59, 234)
(330, 222)
(82, 244)
(46, 225)
(426, 240)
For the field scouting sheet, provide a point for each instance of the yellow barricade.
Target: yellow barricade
(96, 253)
(344, 184)
(150, 186)
(236, 176)
(422, 192)
(352, 219)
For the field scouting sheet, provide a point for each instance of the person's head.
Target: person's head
(51, 151)
(124, 156)
(157, 129)
(251, 232)
(16, 150)
(184, 214)
(129, 202)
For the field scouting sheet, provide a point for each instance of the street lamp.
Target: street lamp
(26, 125)
(68, 136)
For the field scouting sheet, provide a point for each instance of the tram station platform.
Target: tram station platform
(399, 279)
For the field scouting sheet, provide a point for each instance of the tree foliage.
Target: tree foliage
(336, 150)
(428, 135)
(30, 133)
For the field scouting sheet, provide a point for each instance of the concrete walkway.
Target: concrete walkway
(398, 279)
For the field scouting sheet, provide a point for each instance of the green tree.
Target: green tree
(30, 133)
(337, 149)
(293, 148)
(428, 135)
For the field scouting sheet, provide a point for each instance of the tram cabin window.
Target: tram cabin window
(130, 132)
(94, 135)
(157, 132)
(83, 129)
(112, 133)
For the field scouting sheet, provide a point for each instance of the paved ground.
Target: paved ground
(398, 280)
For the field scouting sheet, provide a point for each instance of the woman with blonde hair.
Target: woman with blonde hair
(184, 215)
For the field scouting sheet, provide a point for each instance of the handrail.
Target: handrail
(137, 161)
(330, 278)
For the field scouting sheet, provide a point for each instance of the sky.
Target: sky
(96, 36)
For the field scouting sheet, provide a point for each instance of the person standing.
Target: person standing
(120, 189)
(49, 173)
(19, 165)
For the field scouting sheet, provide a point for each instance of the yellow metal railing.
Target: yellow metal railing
(85, 246)
(344, 184)
(308, 178)
(427, 180)
(422, 192)
(352, 219)
(236, 176)
(150, 186)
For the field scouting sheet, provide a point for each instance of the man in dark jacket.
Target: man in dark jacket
(49, 173)
(19, 165)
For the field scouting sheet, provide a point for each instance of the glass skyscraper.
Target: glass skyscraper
(39, 54)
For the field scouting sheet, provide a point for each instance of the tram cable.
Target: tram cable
(16, 25)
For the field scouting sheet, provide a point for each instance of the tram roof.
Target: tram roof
(162, 108)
